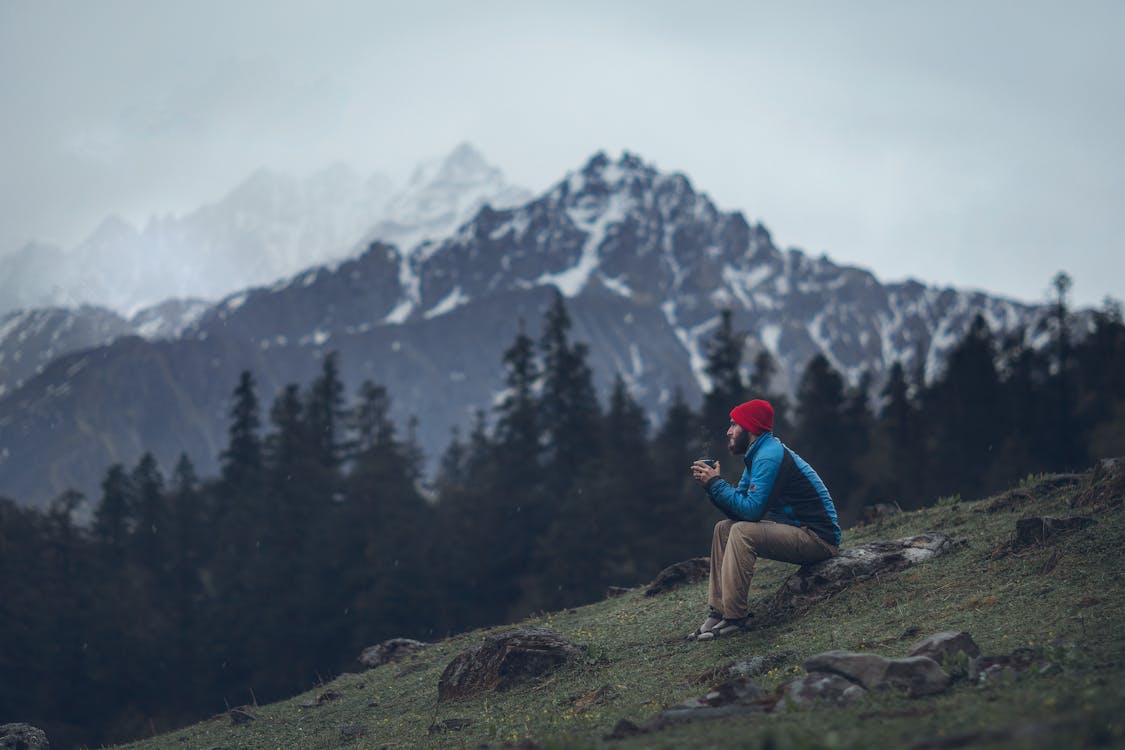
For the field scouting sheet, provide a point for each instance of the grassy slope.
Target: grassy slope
(636, 651)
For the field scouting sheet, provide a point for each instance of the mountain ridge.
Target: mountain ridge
(645, 262)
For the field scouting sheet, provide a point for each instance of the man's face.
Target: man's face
(738, 439)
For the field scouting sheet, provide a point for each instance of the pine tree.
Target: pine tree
(728, 386)
(325, 414)
(151, 513)
(113, 518)
(568, 405)
(1067, 453)
(1101, 404)
(966, 412)
(681, 515)
(241, 461)
(897, 445)
(823, 434)
(763, 384)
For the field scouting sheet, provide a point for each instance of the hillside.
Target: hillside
(1062, 598)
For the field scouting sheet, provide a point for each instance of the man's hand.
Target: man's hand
(703, 473)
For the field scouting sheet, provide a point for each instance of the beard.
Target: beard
(739, 445)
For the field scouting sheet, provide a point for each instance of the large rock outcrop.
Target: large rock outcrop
(814, 583)
(504, 660)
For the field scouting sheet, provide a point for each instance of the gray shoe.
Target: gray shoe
(725, 627)
(713, 619)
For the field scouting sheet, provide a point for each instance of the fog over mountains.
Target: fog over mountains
(269, 226)
(646, 262)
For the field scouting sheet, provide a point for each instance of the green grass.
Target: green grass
(637, 662)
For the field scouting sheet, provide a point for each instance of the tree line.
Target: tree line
(319, 536)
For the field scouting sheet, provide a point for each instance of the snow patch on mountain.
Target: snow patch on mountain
(452, 301)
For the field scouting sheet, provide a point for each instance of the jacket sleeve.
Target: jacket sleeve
(747, 501)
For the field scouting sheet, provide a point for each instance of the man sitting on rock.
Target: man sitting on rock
(780, 510)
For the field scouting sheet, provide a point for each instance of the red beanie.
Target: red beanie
(753, 416)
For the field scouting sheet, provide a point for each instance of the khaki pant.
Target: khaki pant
(736, 547)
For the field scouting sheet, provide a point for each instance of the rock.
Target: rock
(20, 736)
(823, 687)
(1013, 665)
(616, 591)
(1041, 530)
(866, 670)
(733, 698)
(813, 583)
(949, 643)
(389, 651)
(504, 660)
(450, 725)
(738, 697)
(684, 572)
(917, 675)
(752, 667)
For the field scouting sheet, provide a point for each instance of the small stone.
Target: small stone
(450, 725)
(822, 687)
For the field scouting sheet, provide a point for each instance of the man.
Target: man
(780, 510)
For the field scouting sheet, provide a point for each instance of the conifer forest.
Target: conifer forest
(173, 595)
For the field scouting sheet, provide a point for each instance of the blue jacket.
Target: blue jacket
(778, 485)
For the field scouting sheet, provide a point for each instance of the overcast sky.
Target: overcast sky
(969, 143)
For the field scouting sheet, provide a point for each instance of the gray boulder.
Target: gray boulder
(917, 675)
(947, 645)
(23, 737)
(744, 668)
(822, 687)
(813, 583)
(504, 660)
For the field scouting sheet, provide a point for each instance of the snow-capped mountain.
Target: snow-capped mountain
(270, 226)
(32, 339)
(646, 262)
